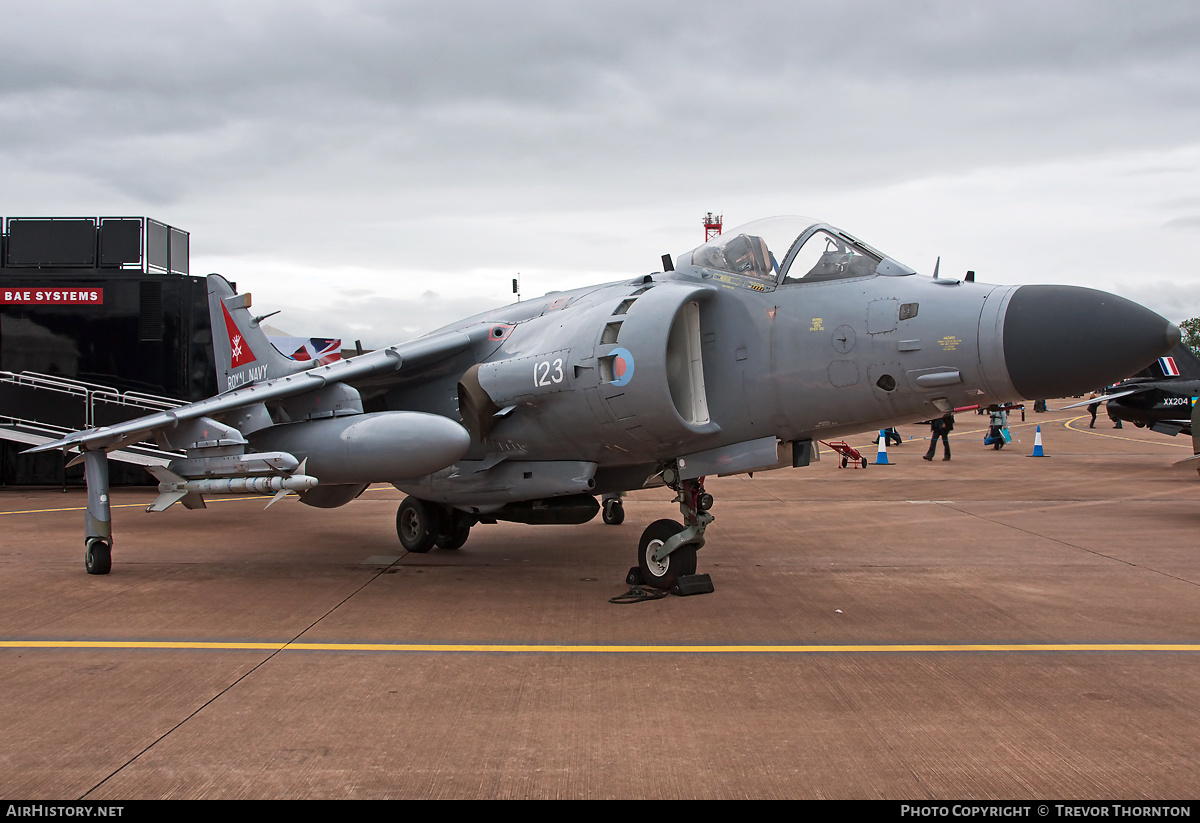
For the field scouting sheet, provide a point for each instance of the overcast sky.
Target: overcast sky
(378, 169)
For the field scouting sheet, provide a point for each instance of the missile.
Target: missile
(174, 489)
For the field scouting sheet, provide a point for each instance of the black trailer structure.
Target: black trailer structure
(100, 321)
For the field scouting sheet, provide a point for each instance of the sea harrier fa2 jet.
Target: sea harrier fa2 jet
(735, 358)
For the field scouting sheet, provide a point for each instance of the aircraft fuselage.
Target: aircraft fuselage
(620, 379)
(1165, 406)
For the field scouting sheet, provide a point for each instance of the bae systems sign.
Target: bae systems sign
(52, 297)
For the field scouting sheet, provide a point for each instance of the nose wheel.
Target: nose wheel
(97, 556)
(667, 550)
(662, 573)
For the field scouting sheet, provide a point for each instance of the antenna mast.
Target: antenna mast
(712, 226)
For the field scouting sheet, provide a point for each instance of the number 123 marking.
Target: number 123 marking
(546, 373)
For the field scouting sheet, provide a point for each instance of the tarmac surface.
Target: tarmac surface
(993, 627)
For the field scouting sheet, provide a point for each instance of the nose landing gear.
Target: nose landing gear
(667, 550)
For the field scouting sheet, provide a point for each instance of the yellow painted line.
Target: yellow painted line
(1159, 442)
(591, 649)
(138, 644)
(143, 505)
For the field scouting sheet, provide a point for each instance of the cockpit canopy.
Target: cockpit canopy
(781, 250)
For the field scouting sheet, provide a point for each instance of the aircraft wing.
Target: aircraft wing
(385, 361)
(1104, 398)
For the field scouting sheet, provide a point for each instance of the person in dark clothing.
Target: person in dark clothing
(891, 434)
(1092, 409)
(941, 427)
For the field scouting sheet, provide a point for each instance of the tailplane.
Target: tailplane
(241, 351)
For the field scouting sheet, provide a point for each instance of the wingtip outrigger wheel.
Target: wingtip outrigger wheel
(97, 520)
(97, 557)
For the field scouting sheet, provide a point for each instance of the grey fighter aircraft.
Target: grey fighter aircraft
(736, 359)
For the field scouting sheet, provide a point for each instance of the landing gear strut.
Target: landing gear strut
(662, 574)
(97, 520)
(667, 550)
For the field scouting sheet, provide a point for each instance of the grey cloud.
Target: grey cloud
(548, 135)
(380, 320)
(1191, 223)
(573, 79)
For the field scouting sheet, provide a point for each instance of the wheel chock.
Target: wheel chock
(689, 584)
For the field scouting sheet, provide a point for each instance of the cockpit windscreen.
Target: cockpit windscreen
(781, 250)
(824, 255)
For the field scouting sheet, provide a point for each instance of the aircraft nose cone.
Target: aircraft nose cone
(1065, 340)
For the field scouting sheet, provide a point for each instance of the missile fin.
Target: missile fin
(164, 475)
(165, 501)
(193, 500)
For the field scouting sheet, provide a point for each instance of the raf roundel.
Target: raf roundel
(622, 366)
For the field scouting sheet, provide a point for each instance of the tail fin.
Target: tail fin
(241, 352)
(1181, 361)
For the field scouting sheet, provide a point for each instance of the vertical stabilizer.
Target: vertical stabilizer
(1180, 361)
(241, 352)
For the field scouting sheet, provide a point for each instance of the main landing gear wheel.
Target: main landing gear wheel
(453, 532)
(614, 512)
(662, 574)
(97, 557)
(417, 525)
